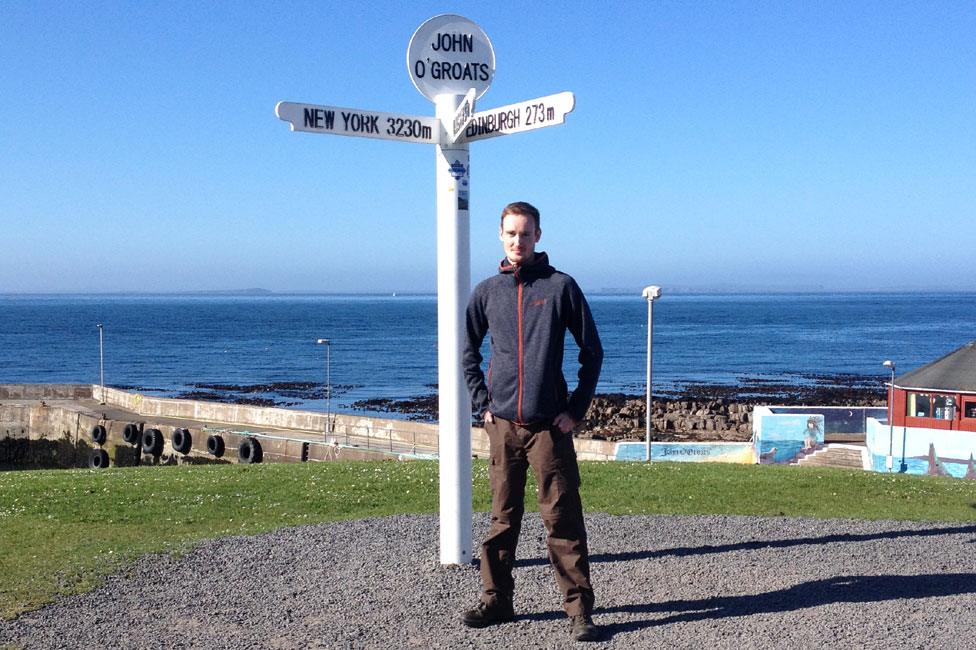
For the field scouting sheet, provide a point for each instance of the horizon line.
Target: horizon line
(605, 291)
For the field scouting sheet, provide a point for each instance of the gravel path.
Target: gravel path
(683, 582)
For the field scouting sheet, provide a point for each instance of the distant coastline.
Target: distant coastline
(614, 292)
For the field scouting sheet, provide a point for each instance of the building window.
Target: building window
(970, 410)
(919, 405)
(939, 407)
(944, 407)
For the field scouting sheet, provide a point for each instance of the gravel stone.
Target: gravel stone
(662, 581)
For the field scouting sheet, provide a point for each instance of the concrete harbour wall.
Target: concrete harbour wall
(285, 435)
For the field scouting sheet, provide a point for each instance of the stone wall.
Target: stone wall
(616, 417)
(42, 436)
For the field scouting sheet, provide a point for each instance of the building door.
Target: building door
(968, 420)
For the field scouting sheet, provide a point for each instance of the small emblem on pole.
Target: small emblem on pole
(458, 170)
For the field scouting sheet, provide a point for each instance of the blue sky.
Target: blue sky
(726, 145)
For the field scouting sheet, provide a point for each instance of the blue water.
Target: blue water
(917, 466)
(385, 346)
(786, 450)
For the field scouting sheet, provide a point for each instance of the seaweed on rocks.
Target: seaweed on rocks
(206, 396)
(423, 408)
(265, 394)
(137, 389)
(297, 389)
(203, 396)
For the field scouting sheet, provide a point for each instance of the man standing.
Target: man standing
(529, 415)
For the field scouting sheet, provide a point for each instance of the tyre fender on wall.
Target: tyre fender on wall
(98, 459)
(249, 451)
(215, 446)
(131, 434)
(152, 442)
(98, 434)
(182, 440)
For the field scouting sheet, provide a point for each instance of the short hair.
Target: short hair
(523, 209)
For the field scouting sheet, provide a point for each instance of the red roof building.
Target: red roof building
(939, 395)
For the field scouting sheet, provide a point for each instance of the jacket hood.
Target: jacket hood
(538, 266)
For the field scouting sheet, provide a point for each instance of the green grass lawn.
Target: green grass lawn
(63, 531)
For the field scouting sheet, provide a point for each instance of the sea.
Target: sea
(384, 347)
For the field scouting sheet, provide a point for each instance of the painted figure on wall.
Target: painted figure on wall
(812, 436)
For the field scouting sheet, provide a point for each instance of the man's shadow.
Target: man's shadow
(853, 589)
(840, 589)
(706, 549)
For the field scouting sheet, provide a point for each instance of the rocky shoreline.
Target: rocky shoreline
(687, 411)
(690, 412)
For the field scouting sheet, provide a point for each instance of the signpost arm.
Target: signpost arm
(453, 286)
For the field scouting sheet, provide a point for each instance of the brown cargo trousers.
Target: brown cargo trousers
(551, 454)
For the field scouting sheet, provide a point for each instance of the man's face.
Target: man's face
(519, 237)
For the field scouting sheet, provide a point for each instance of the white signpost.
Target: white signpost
(452, 63)
(359, 123)
(462, 116)
(449, 54)
(524, 116)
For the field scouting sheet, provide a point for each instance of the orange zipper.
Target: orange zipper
(520, 353)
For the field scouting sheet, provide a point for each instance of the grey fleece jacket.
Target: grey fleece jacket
(528, 309)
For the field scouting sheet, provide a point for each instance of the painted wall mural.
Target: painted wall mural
(783, 439)
(688, 452)
(917, 450)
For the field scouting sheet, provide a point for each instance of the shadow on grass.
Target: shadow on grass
(708, 549)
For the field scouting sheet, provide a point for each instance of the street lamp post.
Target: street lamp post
(101, 360)
(903, 466)
(650, 294)
(889, 462)
(328, 384)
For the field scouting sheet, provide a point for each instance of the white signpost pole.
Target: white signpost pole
(452, 63)
(453, 285)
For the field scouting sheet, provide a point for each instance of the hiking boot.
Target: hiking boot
(484, 614)
(583, 628)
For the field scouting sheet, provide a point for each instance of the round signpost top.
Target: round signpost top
(450, 54)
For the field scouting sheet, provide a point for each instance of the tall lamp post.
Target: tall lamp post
(889, 462)
(650, 294)
(101, 360)
(328, 384)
